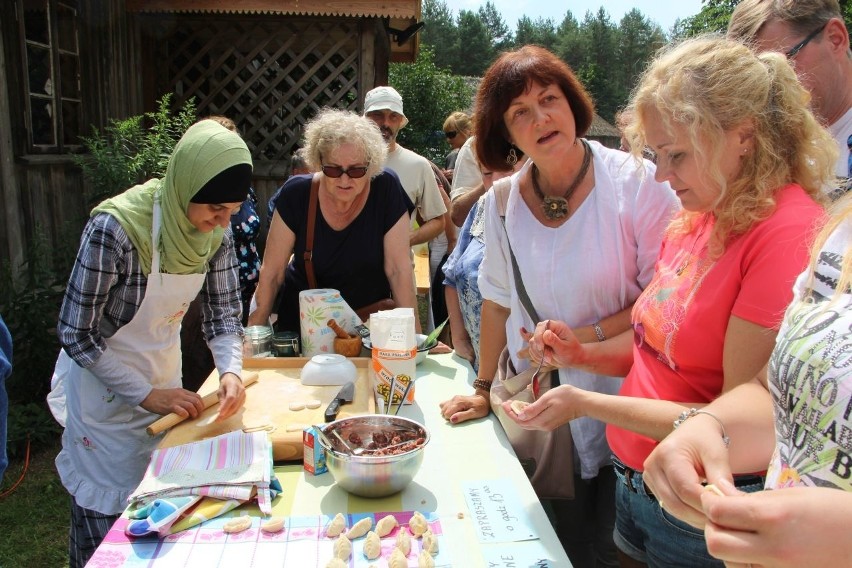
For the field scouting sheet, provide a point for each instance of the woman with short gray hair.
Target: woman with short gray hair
(360, 231)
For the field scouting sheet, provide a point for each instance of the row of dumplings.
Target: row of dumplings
(418, 526)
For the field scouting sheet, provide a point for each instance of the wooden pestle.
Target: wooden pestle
(339, 331)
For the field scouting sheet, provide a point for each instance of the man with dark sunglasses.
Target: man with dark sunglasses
(813, 37)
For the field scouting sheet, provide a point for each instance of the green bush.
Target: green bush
(30, 308)
(128, 152)
(429, 95)
(30, 422)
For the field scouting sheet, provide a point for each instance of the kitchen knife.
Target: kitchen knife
(346, 393)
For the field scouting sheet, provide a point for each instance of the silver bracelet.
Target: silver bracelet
(687, 414)
(599, 331)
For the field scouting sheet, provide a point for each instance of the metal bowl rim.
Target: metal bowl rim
(371, 458)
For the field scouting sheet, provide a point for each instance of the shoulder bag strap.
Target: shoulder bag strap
(501, 189)
(308, 255)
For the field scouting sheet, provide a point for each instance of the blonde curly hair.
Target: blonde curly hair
(332, 128)
(708, 86)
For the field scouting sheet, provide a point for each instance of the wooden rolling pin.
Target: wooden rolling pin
(209, 400)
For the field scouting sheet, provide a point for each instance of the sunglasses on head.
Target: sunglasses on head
(451, 134)
(353, 172)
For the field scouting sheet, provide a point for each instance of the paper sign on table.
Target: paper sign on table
(514, 556)
(497, 513)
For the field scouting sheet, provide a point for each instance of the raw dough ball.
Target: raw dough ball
(403, 541)
(424, 560)
(342, 547)
(273, 525)
(518, 406)
(297, 405)
(336, 563)
(397, 559)
(360, 528)
(372, 546)
(237, 525)
(429, 543)
(336, 526)
(418, 524)
(313, 404)
(386, 525)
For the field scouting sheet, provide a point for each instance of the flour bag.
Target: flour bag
(394, 349)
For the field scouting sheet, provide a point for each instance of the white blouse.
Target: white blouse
(592, 266)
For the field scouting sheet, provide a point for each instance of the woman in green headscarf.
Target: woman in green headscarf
(143, 257)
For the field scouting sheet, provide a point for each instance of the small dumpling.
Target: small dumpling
(336, 526)
(337, 563)
(372, 546)
(342, 547)
(397, 559)
(360, 528)
(418, 524)
(429, 543)
(424, 560)
(386, 525)
(272, 525)
(237, 524)
(403, 541)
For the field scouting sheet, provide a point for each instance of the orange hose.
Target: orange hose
(23, 473)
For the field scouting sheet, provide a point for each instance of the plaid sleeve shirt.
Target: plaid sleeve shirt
(107, 287)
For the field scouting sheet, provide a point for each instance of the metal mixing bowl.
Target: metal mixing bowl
(369, 475)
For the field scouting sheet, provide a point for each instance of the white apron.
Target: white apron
(105, 449)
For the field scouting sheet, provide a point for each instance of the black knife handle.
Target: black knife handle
(332, 410)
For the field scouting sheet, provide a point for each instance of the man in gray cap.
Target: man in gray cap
(383, 105)
(813, 37)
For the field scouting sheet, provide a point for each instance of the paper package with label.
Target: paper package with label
(316, 307)
(394, 349)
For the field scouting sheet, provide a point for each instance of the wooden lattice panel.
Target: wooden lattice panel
(269, 74)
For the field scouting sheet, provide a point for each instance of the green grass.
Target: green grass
(35, 515)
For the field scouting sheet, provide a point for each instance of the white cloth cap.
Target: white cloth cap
(382, 98)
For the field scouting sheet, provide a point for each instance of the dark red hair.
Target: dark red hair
(510, 76)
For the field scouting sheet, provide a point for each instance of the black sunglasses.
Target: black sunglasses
(353, 172)
(451, 134)
(794, 51)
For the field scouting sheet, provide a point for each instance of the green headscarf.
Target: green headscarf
(206, 149)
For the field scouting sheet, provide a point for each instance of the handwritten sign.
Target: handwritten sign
(532, 555)
(497, 513)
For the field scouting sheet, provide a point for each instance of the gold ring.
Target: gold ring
(661, 505)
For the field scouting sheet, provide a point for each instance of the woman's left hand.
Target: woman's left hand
(794, 526)
(232, 395)
(555, 408)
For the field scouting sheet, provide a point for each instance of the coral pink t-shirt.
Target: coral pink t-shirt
(681, 318)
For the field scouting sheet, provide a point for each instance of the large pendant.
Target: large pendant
(555, 207)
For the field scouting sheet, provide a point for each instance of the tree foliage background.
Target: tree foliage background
(608, 56)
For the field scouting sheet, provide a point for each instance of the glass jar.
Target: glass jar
(285, 344)
(257, 341)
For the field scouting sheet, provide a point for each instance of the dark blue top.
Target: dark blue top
(351, 260)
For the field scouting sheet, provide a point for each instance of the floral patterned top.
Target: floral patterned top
(246, 227)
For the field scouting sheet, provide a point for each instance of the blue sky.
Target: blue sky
(663, 12)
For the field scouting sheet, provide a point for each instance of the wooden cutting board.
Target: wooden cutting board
(268, 405)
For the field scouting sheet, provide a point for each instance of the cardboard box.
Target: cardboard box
(314, 454)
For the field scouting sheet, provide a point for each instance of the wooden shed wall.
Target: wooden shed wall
(270, 73)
